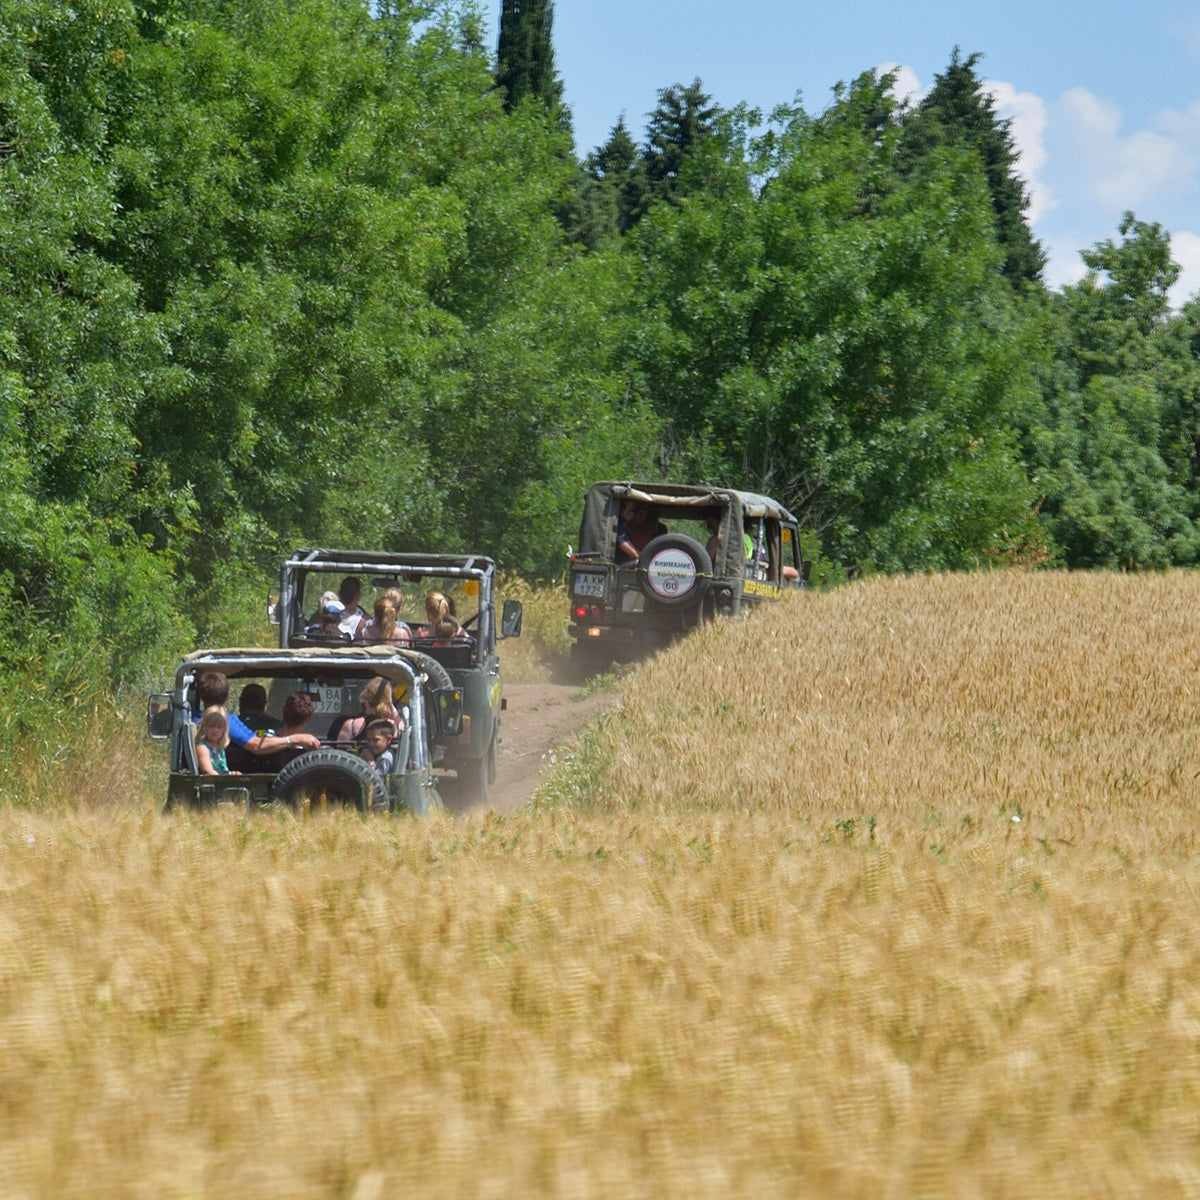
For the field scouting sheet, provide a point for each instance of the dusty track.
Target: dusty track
(539, 717)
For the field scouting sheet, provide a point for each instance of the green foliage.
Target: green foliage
(607, 191)
(78, 356)
(1113, 449)
(679, 125)
(957, 112)
(277, 273)
(525, 54)
(843, 340)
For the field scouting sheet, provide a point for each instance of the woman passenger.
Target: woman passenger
(385, 625)
(375, 704)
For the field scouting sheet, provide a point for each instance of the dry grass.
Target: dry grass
(795, 943)
(543, 648)
(1071, 699)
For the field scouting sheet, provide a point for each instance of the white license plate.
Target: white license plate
(589, 585)
(329, 700)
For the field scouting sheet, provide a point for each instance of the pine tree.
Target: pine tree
(615, 167)
(525, 54)
(958, 112)
(683, 119)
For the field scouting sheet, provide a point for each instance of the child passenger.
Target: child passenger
(439, 609)
(211, 739)
(445, 630)
(377, 740)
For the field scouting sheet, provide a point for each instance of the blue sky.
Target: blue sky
(1104, 98)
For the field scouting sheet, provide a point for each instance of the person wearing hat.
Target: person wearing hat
(326, 620)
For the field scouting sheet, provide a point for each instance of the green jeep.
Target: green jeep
(467, 661)
(333, 773)
(703, 552)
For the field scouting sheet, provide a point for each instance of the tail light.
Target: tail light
(585, 612)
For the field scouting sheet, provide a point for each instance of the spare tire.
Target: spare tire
(439, 677)
(674, 570)
(333, 777)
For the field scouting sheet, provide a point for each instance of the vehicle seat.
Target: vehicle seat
(458, 652)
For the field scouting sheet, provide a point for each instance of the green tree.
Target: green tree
(959, 111)
(265, 225)
(680, 123)
(613, 169)
(77, 357)
(525, 55)
(1114, 451)
(844, 340)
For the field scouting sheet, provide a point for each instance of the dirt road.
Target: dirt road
(539, 717)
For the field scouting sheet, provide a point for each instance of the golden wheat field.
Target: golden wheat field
(886, 892)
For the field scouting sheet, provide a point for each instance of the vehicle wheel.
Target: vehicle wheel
(477, 776)
(331, 777)
(675, 570)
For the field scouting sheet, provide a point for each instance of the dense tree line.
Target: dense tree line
(332, 273)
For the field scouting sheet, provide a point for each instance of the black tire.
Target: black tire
(439, 677)
(476, 776)
(491, 757)
(675, 571)
(334, 777)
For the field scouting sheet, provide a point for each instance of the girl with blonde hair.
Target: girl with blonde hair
(385, 625)
(212, 736)
(439, 609)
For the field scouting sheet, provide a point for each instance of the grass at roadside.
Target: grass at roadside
(542, 651)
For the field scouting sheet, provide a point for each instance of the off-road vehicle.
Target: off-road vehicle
(333, 774)
(723, 552)
(469, 661)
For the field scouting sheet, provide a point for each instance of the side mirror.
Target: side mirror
(448, 706)
(510, 619)
(158, 715)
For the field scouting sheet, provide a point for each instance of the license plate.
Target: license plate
(589, 585)
(329, 700)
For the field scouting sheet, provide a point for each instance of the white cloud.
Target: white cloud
(1119, 171)
(1063, 263)
(1183, 126)
(1026, 114)
(908, 88)
(1185, 250)
(1082, 170)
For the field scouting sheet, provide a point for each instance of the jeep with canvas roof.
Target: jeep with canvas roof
(333, 676)
(468, 661)
(704, 552)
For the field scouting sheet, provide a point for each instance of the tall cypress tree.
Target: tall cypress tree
(525, 54)
(959, 112)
